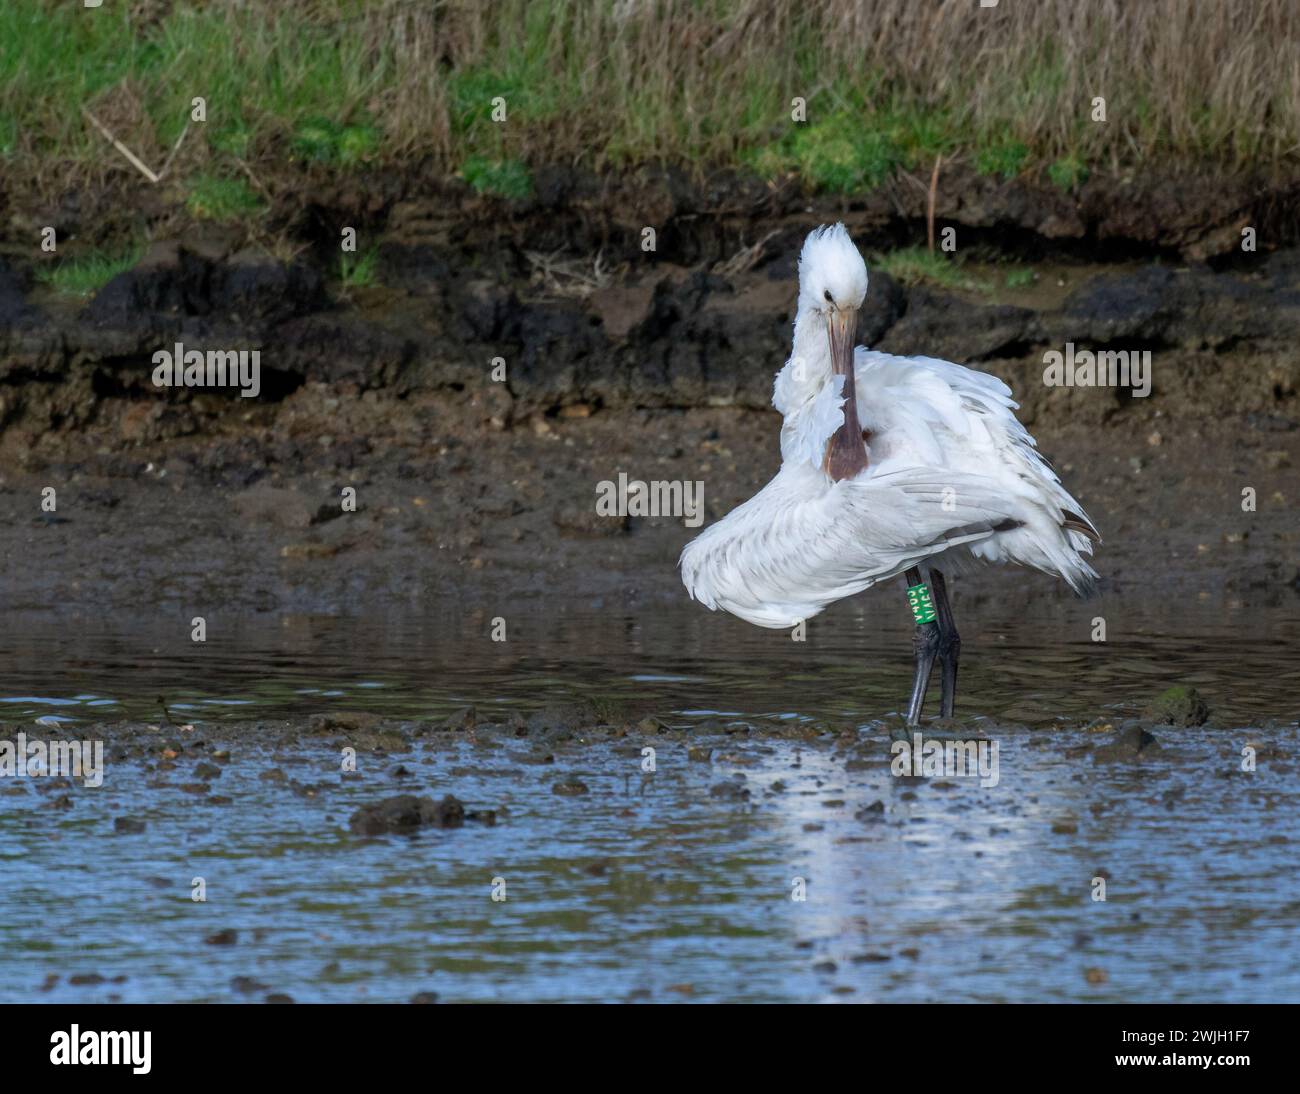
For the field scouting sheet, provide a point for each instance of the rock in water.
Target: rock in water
(406, 813)
(1179, 706)
(570, 787)
(1132, 742)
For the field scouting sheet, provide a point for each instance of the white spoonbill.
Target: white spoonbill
(889, 465)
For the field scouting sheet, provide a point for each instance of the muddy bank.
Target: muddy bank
(561, 289)
(249, 517)
(657, 366)
(657, 333)
(702, 217)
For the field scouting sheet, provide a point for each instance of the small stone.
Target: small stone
(1130, 743)
(570, 787)
(308, 551)
(873, 812)
(406, 813)
(583, 520)
(227, 937)
(462, 721)
(343, 721)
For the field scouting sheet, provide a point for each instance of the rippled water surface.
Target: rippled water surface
(675, 884)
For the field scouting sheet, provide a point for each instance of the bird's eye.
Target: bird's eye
(827, 294)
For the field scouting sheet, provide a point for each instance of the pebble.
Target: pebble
(570, 787)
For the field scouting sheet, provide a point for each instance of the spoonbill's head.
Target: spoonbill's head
(832, 284)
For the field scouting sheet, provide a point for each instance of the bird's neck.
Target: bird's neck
(846, 451)
(832, 439)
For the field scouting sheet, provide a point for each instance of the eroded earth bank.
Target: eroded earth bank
(616, 360)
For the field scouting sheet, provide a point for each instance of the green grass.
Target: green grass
(1068, 173)
(213, 197)
(86, 275)
(231, 137)
(498, 178)
(1020, 279)
(264, 72)
(1005, 158)
(324, 141)
(917, 265)
(837, 154)
(359, 271)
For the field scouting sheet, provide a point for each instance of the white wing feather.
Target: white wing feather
(950, 467)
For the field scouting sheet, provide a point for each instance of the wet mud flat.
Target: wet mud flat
(576, 852)
(255, 525)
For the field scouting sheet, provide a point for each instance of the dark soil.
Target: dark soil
(178, 497)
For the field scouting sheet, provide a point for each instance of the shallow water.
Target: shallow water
(651, 886)
(1033, 658)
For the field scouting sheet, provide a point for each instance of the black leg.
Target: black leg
(949, 645)
(925, 644)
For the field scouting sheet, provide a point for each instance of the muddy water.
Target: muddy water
(677, 884)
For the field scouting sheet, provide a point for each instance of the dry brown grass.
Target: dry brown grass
(1200, 78)
(888, 82)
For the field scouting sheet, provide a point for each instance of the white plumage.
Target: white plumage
(951, 475)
